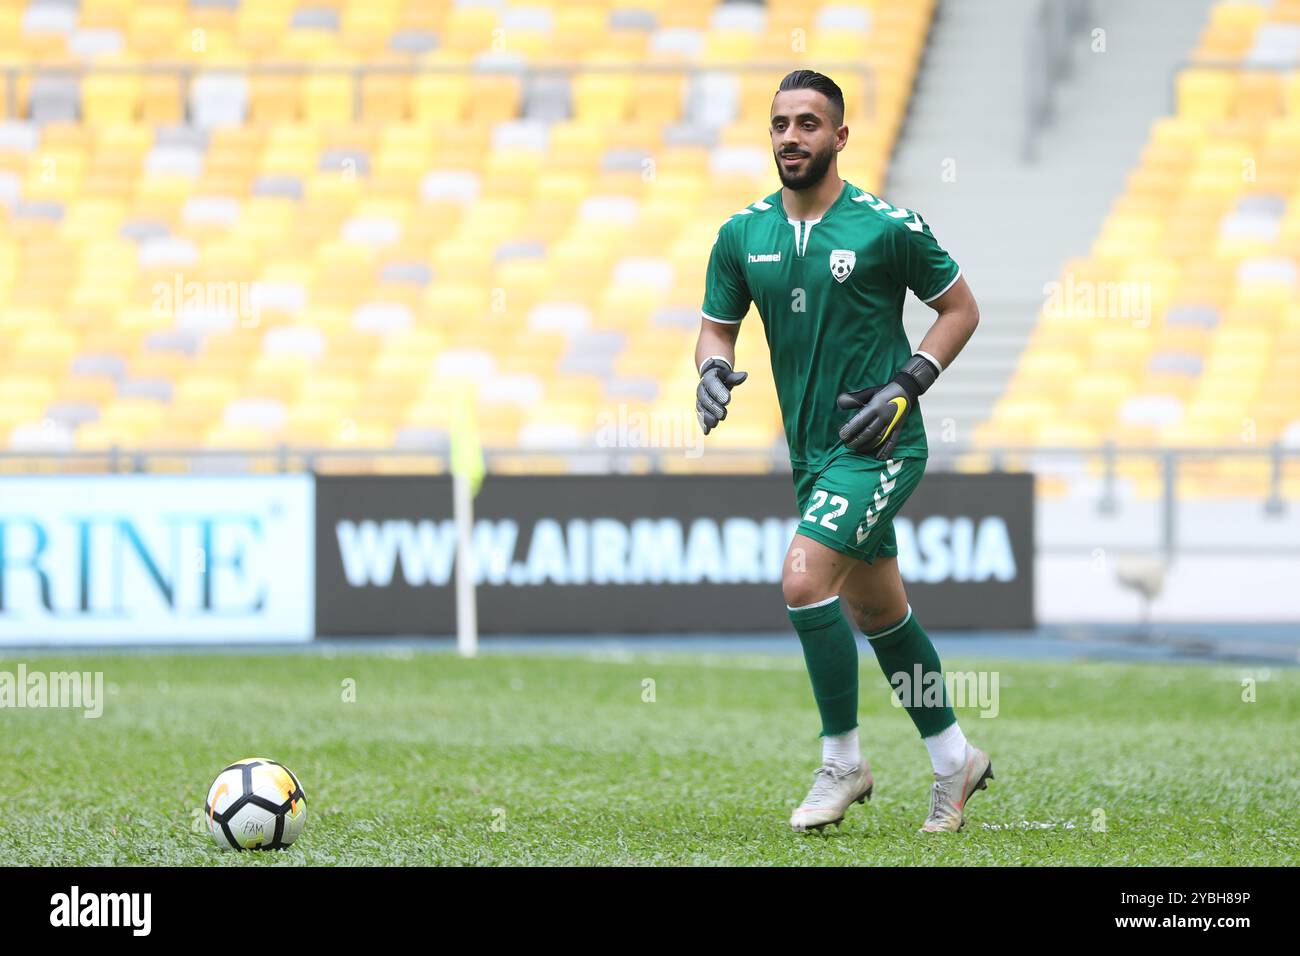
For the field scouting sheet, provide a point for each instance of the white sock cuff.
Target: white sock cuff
(890, 630)
(808, 607)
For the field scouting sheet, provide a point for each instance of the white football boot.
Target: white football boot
(832, 792)
(949, 793)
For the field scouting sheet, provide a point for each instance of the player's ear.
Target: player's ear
(841, 137)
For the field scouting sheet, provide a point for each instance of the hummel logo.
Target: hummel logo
(879, 499)
(765, 257)
(868, 522)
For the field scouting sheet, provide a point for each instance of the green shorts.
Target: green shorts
(850, 505)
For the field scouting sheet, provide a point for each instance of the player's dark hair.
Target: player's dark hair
(812, 80)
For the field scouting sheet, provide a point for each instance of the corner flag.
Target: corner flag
(466, 451)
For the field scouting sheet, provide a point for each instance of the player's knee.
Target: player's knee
(802, 589)
(863, 616)
(871, 616)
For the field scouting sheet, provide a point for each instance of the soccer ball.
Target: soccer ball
(255, 804)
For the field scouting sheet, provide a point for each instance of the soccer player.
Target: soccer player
(828, 265)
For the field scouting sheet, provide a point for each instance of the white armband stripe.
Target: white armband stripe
(945, 288)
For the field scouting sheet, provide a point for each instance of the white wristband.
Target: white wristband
(931, 359)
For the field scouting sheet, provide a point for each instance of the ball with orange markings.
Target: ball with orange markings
(255, 804)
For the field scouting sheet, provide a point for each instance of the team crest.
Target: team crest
(842, 261)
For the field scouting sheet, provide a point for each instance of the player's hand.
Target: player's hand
(874, 430)
(717, 379)
(883, 409)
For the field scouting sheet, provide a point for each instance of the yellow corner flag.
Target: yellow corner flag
(466, 451)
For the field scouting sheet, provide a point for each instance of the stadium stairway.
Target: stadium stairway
(959, 156)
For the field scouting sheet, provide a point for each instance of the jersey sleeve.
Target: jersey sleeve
(922, 264)
(726, 294)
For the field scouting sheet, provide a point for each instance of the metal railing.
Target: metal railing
(1171, 464)
(621, 459)
(1169, 461)
(492, 65)
(1097, 471)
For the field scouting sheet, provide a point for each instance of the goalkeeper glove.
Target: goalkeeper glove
(883, 409)
(714, 391)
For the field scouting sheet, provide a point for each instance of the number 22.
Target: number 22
(818, 499)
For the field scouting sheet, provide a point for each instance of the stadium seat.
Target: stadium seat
(290, 251)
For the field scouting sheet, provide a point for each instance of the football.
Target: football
(255, 804)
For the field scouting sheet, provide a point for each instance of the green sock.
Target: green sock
(911, 665)
(831, 652)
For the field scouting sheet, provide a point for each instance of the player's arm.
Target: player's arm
(716, 341)
(726, 300)
(715, 357)
(881, 410)
(953, 326)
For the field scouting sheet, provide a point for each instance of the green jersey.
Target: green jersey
(830, 293)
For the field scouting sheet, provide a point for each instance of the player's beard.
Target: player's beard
(814, 170)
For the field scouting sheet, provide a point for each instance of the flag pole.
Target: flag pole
(466, 600)
(467, 469)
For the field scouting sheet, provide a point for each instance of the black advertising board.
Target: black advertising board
(645, 554)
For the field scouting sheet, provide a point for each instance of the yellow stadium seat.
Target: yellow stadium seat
(438, 97)
(273, 98)
(576, 31)
(657, 97)
(1258, 95)
(601, 97)
(151, 28)
(327, 98)
(1205, 93)
(110, 98)
(385, 97)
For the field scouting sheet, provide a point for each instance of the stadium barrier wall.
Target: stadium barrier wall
(151, 559)
(645, 553)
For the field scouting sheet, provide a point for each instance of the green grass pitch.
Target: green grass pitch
(547, 759)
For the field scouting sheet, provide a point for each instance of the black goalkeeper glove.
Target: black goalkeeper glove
(714, 391)
(883, 409)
